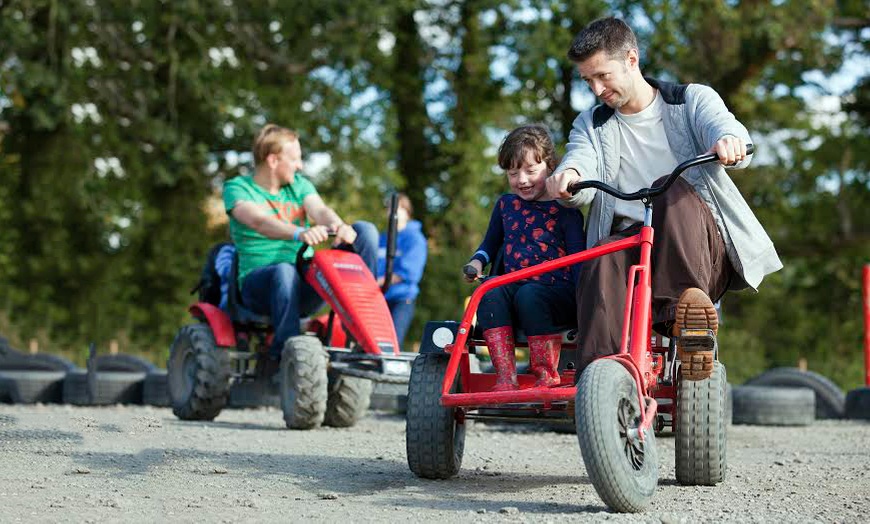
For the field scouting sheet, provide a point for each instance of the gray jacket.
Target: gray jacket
(694, 118)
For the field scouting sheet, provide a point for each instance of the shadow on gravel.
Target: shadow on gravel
(454, 502)
(344, 476)
(35, 436)
(226, 424)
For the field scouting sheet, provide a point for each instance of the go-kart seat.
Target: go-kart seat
(238, 313)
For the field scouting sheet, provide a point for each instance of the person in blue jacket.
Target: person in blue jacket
(411, 251)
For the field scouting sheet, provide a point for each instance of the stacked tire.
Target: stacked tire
(788, 397)
(29, 379)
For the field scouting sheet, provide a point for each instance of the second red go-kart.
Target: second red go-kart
(617, 404)
(325, 375)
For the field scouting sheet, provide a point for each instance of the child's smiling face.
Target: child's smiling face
(528, 181)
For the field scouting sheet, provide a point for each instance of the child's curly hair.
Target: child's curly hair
(532, 137)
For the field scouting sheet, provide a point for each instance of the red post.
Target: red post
(866, 289)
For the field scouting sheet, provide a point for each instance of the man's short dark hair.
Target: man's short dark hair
(611, 35)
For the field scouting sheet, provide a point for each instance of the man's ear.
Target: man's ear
(271, 160)
(633, 57)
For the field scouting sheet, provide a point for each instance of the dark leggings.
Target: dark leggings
(536, 308)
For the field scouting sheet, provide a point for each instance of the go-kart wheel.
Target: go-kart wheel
(348, 400)
(434, 439)
(198, 374)
(303, 382)
(700, 420)
(623, 469)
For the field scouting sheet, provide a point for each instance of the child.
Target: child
(532, 229)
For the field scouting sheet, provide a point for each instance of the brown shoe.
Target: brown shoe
(696, 326)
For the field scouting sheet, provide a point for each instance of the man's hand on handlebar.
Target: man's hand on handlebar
(344, 234)
(730, 149)
(557, 185)
(472, 270)
(315, 235)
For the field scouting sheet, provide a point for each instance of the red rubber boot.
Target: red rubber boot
(500, 341)
(544, 359)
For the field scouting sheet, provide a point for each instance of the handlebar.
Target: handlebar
(300, 258)
(469, 271)
(649, 193)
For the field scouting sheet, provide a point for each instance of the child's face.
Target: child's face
(528, 181)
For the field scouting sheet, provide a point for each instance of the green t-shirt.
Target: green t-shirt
(256, 250)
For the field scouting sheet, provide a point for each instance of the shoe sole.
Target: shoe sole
(695, 310)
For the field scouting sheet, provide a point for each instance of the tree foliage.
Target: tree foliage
(119, 121)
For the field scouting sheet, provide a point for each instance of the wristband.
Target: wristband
(298, 233)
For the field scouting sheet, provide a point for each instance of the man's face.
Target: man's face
(610, 80)
(288, 161)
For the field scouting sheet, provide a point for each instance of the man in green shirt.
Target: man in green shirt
(270, 221)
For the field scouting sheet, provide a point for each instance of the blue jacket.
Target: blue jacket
(411, 251)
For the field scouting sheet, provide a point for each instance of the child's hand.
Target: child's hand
(472, 270)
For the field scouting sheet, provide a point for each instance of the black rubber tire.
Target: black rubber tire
(31, 387)
(830, 399)
(700, 423)
(774, 406)
(122, 363)
(116, 387)
(858, 404)
(155, 389)
(303, 382)
(434, 439)
(75, 388)
(347, 401)
(13, 360)
(247, 394)
(625, 475)
(198, 374)
(4, 392)
(389, 397)
(729, 403)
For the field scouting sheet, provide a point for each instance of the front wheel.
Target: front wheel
(434, 439)
(623, 468)
(198, 374)
(303, 382)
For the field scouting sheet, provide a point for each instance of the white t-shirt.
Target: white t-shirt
(645, 156)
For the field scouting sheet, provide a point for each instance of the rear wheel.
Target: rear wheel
(623, 469)
(434, 439)
(347, 401)
(198, 374)
(699, 423)
(303, 382)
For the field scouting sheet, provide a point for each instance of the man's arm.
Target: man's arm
(267, 225)
(717, 128)
(324, 215)
(580, 162)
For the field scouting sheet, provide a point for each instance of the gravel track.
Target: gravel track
(64, 463)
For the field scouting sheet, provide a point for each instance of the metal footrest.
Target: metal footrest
(697, 340)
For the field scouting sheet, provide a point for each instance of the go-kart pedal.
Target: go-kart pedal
(696, 326)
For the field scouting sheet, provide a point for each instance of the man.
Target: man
(707, 239)
(269, 223)
(408, 266)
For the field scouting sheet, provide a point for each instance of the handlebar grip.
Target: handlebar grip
(469, 271)
(750, 149)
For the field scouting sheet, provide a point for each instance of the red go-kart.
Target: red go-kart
(325, 375)
(616, 406)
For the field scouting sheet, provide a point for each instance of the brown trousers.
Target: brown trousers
(688, 251)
